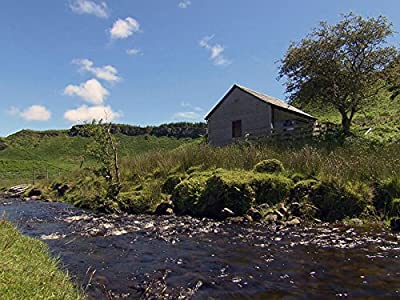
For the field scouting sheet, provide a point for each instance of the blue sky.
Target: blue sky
(148, 61)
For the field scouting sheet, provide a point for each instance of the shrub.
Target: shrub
(269, 166)
(171, 182)
(270, 189)
(302, 190)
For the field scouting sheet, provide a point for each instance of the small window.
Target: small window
(237, 128)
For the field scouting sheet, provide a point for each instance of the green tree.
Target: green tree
(104, 151)
(394, 78)
(340, 66)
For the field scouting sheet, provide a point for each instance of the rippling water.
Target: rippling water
(133, 257)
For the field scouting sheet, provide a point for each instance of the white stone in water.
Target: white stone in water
(52, 237)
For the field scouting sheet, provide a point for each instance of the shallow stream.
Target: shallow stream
(148, 257)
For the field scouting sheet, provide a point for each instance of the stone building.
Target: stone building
(246, 113)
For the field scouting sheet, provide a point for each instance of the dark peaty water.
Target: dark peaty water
(147, 257)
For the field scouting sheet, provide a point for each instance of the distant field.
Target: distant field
(29, 154)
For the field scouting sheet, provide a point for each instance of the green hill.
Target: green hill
(43, 154)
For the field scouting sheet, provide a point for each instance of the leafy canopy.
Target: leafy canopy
(342, 65)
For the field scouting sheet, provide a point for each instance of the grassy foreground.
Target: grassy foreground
(27, 271)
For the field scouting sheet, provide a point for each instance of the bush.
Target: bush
(270, 189)
(269, 166)
(334, 200)
(385, 192)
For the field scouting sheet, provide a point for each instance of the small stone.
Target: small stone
(254, 214)
(283, 210)
(279, 215)
(226, 213)
(248, 218)
(271, 218)
(236, 220)
(164, 208)
(169, 211)
(34, 198)
(293, 222)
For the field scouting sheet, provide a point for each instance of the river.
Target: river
(148, 257)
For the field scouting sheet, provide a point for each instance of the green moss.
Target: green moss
(186, 195)
(270, 189)
(269, 166)
(171, 182)
(334, 200)
(229, 189)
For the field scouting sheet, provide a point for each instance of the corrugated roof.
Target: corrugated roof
(265, 98)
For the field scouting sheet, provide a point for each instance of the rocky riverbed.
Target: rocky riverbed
(169, 257)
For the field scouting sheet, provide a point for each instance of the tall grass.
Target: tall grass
(348, 163)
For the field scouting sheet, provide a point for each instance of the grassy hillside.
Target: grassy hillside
(381, 117)
(56, 152)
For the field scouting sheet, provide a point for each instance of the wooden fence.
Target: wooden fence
(292, 133)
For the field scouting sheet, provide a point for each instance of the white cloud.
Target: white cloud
(193, 113)
(107, 73)
(133, 51)
(99, 9)
(91, 91)
(184, 4)
(216, 51)
(124, 28)
(32, 113)
(188, 115)
(86, 114)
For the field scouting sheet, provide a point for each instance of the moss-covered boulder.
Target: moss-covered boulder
(206, 194)
(270, 188)
(269, 166)
(334, 200)
(186, 195)
(230, 189)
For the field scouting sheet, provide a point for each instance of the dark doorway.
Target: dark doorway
(237, 128)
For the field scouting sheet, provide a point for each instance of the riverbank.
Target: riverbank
(139, 256)
(276, 183)
(27, 271)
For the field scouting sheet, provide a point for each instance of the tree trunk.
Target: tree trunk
(346, 123)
